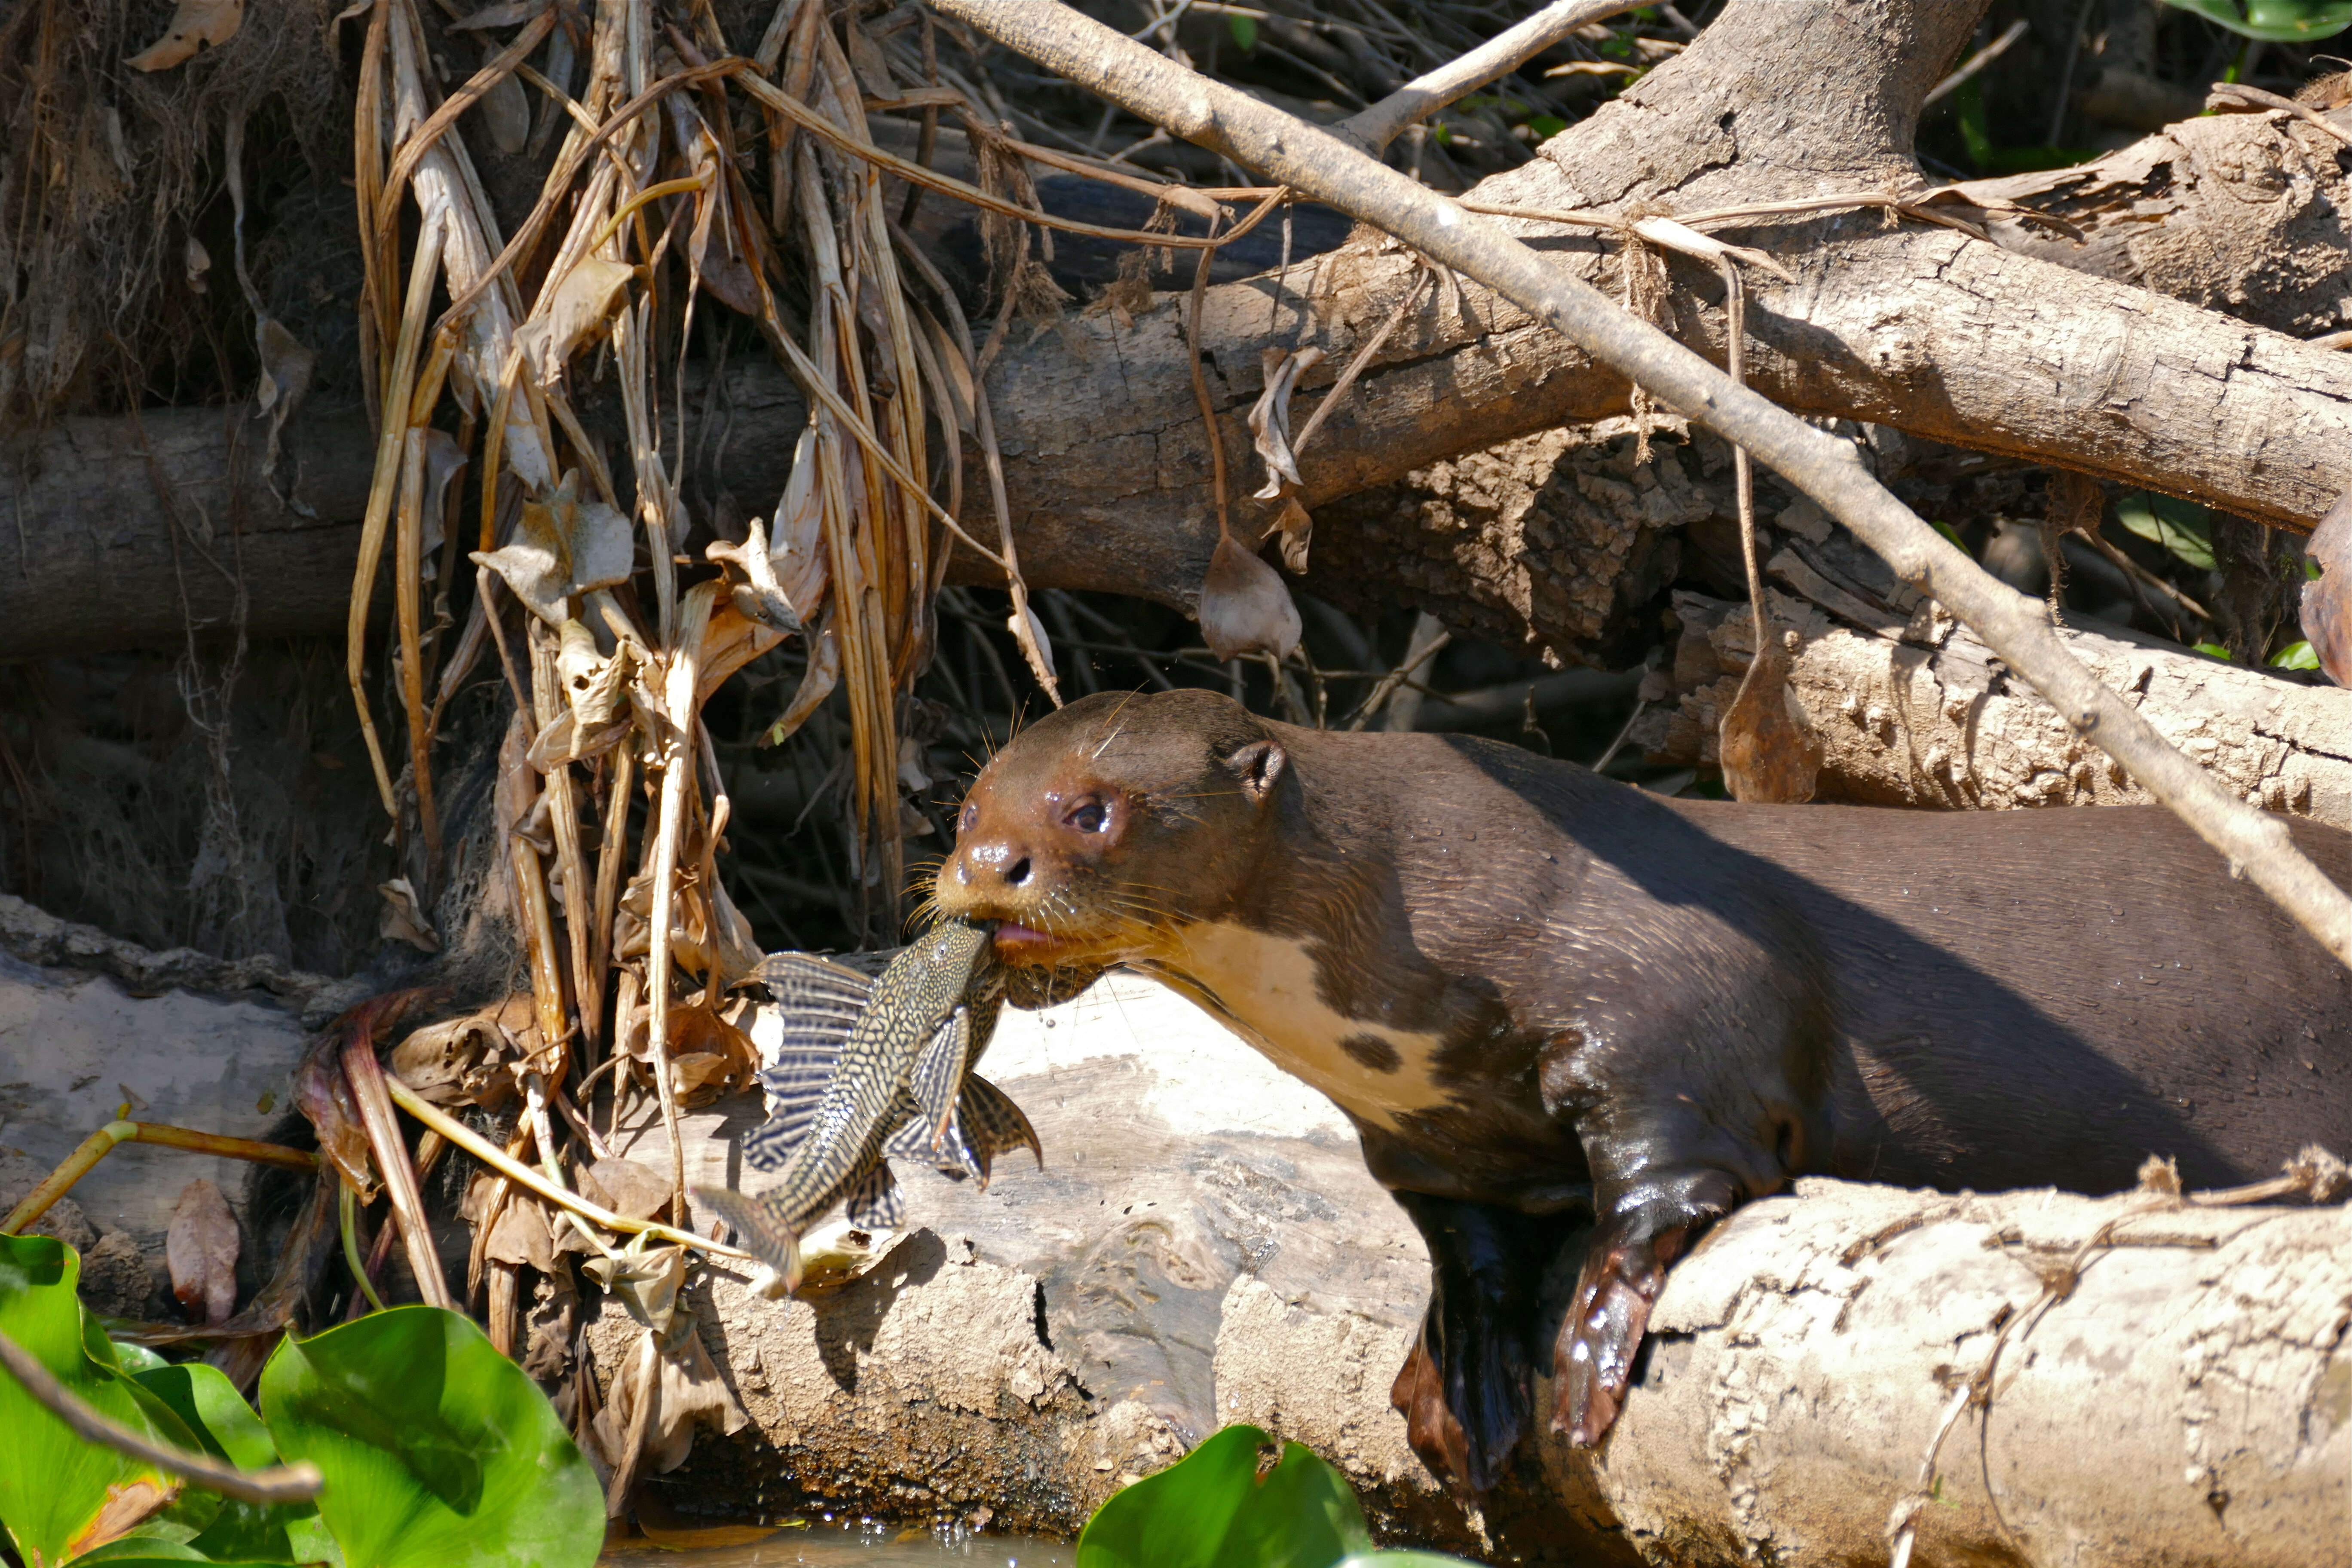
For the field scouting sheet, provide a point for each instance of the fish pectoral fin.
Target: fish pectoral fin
(993, 1123)
(939, 1072)
(759, 1230)
(873, 1200)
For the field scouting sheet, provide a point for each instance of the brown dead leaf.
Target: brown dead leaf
(323, 1095)
(1768, 755)
(201, 1247)
(1297, 531)
(577, 312)
(759, 596)
(405, 918)
(563, 547)
(1269, 418)
(1244, 606)
(196, 25)
(520, 1234)
(824, 673)
(1030, 633)
(198, 261)
(286, 370)
(2327, 609)
(627, 1187)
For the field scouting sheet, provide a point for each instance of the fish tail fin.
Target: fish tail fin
(760, 1227)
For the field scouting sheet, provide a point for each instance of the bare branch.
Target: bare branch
(1417, 99)
(1317, 164)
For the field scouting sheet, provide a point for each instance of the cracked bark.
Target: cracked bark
(2000, 348)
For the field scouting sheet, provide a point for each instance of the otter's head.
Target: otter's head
(1101, 826)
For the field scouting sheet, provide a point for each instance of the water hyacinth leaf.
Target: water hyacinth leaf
(59, 1495)
(227, 1427)
(1245, 607)
(438, 1452)
(2282, 21)
(196, 25)
(2296, 655)
(2182, 527)
(563, 546)
(1211, 1510)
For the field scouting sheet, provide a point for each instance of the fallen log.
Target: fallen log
(1205, 1247)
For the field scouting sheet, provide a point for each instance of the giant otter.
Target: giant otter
(1540, 992)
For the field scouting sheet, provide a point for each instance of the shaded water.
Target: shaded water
(845, 1545)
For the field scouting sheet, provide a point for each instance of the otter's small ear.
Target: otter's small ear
(1258, 767)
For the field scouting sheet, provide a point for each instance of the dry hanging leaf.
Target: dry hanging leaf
(1269, 419)
(582, 304)
(286, 370)
(196, 25)
(323, 1095)
(201, 1247)
(2327, 609)
(1030, 633)
(405, 919)
(1245, 607)
(443, 459)
(197, 260)
(1768, 755)
(505, 109)
(824, 673)
(761, 597)
(562, 548)
(796, 551)
(1298, 530)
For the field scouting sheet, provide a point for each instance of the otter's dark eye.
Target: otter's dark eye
(1087, 816)
(971, 816)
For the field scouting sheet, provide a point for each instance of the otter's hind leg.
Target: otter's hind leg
(1465, 1389)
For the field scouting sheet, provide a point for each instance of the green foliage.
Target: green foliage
(1213, 1509)
(2214, 650)
(2284, 21)
(2182, 527)
(2296, 655)
(437, 1450)
(1243, 29)
(54, 1486)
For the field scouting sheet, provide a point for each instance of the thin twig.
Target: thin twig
(1977, 62)
(297, 1482)
(1417, 99)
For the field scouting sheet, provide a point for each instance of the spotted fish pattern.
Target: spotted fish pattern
(869, 1072)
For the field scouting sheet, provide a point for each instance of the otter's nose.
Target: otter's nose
(993, 861)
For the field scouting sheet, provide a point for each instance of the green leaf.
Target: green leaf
(1399, 1558)
(1210, 1510)
(438, 1452)
(1243, 29)
(135, 1358)
(2182, 527)
(227, 1427)
(2283, 21)
(2294, 656)
(1546, 126)
(53, 1485)
(2214, 650)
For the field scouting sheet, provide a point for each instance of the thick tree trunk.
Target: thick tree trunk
(1921, 328)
